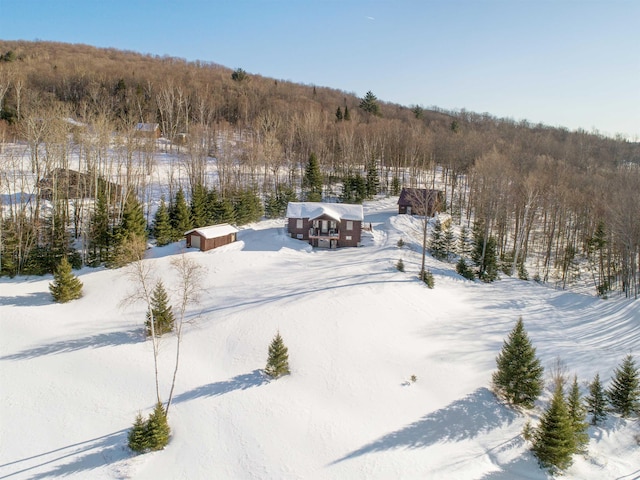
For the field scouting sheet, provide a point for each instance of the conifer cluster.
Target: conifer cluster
(152, 434)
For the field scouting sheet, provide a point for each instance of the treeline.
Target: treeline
(546, 196)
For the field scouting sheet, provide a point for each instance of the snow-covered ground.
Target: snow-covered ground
(73, 376)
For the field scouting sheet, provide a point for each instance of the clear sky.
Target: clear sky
(570, 63)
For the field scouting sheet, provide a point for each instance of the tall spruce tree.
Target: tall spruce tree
(624, 392)
(369, 104)
(278, 360)
(162, 230)
(224, 211)
(554, 441)
(65, 286)
(597, 401)
(436, 243)
(161, 311)
(519, 378)
(247, 207)
(372, 181)
(578, 414)
(180, 216)
(198, 207)
(312, 180)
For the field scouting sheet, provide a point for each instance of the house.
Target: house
(325, 225)
(71, 184)
(214, 236)
(413, 201)
(147, 130)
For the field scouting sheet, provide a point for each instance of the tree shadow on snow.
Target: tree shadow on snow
(464, 419)
(92, 341)
(29, 300)
(86, 456)
(239, 382)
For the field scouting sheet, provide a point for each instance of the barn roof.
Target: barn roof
(214, 231)
(311, 210)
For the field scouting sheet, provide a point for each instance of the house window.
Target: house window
(349, 225)
(348, 237)
(299, 236)
(299, 223)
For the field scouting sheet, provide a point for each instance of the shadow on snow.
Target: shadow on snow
(239, 382)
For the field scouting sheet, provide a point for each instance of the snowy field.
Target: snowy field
(73, 376)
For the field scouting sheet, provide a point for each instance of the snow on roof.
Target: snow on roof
(214, 231)
(311, 210)
(147, 127)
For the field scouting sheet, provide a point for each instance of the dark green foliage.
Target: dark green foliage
(427, 277)
(463, 269)
(247, 207)
(339, 116)
(275, 205)
(518, 379)
(162, 230)
(347, 115)
(484, 256)
(624, 392)
(133, 222)
(130, 237)
(578, 414)
(373, 182)
(223, 211)
(150, 435)
(369, 104)
(596, 401)
(65, 286)
(395, 186)
(278, 361)
(137, 437)
(157, 431)
(400, 265)
(418, 111)
(554, 441)
(100, 231)
(239, 75)
(163, 318)
(180, 216)
(437, 245)
(354, 189)
(400, 243)
(464, 245)
(198, 207)
(312, 180)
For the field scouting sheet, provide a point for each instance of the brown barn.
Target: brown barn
(214, 236)
(326, 225)
(413, 201)
(147, 130)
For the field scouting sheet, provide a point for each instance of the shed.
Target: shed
(214, 236)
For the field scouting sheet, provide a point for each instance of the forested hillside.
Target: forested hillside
(77, 172)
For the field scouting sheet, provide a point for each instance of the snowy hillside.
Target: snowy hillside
(73, 376)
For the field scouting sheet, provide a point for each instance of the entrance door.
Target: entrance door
(325, 226)
(195, 241)
(409, 210)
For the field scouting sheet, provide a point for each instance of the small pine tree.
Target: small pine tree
(395, 186)
(624, 393)
(163, 318)
(427, 277)
(596, 401)
(463, 269)
(65, 286)
(157, 429)
(278, 361)
(519, 378)
(347, 115)
(400, 265)
(137, 437)
(578, 413)
(339, 116)
(554, 441)
(437, 241)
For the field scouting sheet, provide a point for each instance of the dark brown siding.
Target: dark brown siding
(211, 243)
(295, 232)
(355, 234)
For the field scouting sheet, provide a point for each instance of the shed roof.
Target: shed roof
(311, 210)
(214, 231)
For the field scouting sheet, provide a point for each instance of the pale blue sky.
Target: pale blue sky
(571, 63)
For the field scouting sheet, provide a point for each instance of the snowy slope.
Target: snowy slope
(73, 376)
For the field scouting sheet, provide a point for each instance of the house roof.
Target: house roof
(409, 196)
(338, 211)
(214, 231)
(147, 127)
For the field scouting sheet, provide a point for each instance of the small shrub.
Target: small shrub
(413, 379)
(427, 277)
(152, 434)
(400, 265)
(400, 243)
(278, 361)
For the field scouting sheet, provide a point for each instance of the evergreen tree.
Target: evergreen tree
(137, 437)
(400, 265)
(554, 441)
(180, 216)
(373, 182)
(162, 230)
(100, 231)
(448, 240)
(157, 429)
(463, 269)
(596, 401)
(427, 277)
(369, 104)
(624, 392)
(162, 312)
(130, 238)
(339, 116)
(578, 414)
(198, 207)
(278, 361)
(65, 286)
(224, 211)
(395, 185)
(347, 115)
(484, 256)
(354, 189)
(437, 241)
(518, 379)
(133, 222)
(247, 207)
(312, 180)
(464, 248)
